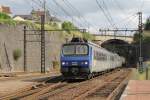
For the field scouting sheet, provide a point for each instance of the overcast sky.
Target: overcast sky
(87, 13)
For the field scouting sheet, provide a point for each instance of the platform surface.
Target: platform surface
(137, 90)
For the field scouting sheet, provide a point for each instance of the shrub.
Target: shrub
(55, 64)
(68, 26)
(88, 36)
(4, 16)
(16, 54)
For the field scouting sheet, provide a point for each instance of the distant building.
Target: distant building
(22, 17)
(5, 9)
(36, 15)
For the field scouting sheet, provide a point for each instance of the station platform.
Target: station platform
(137, 90)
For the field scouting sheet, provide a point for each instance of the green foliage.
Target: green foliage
(147, 24)
(4, 16)
(145, 39)
(68, 26)
(55, 64)
(88, 36)
(6, 19)
(16, 54)
(8, 22)
(136, 38)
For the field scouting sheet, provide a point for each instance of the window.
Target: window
(99, 56)
(75, 49)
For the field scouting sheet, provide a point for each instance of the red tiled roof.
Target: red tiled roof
(5, 9)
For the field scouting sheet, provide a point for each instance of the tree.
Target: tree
(68, 26)
(4, 16)
(147, 24)
(136, 38)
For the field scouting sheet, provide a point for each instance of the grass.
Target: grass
(146, 33)
(8, 22)
(141, 76)
(30, 24)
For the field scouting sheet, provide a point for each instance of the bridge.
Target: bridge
(100, 38)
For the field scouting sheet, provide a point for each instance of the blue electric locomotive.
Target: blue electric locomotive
(81, 59)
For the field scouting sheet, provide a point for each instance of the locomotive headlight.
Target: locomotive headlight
(86, 63)
(63, 63)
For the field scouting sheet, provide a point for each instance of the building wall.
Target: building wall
(5, 9)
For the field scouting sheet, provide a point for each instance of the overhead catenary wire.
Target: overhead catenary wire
(141, 5)
(77, 15)
(67, 13)
(39, 3)
(127, 19)
(77, 12)
(120, 8)
(80, 19)
(105, 14)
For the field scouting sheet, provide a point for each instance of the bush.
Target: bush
(55, 64)
(16, 54)
(147, 24)
(4, 16)
(88, 36)
(68, 26)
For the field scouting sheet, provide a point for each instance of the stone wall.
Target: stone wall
(11, 38)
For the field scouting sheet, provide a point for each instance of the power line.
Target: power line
(67, 13)
(142, 5)
(128, 19)
(108, 13)
(118, 5)
(78, 12)
(75, 10)
(72, 8)
(120, 8)
(105, 14)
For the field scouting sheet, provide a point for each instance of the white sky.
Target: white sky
(123, 12)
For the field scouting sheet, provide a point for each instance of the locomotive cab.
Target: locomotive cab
(75, 59)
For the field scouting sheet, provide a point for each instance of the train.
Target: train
(81, 59)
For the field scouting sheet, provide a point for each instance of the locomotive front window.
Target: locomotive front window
(75, 50)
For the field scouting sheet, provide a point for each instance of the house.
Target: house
(36, 15)
(5, 9)
(22, 17)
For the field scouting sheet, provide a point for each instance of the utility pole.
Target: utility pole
(140, 26)
(42, 44)
(45, 11)
(43, 38)
(25, 52)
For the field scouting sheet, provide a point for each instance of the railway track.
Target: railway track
(110, 90)
(31, 89)
(13, 77)
(106, 86)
